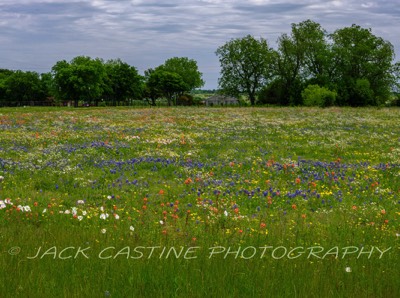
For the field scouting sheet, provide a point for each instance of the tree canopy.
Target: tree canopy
(246, 66)
(302, 56)
(122, 82)
(173, 78)
(363, 64)
(22, 87)
(352, 62)
(164, 83)
(187, 69)
(81, 79)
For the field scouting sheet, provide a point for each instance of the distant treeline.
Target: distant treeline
(350, 67)
(87, 81)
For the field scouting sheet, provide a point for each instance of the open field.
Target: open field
(195, 202)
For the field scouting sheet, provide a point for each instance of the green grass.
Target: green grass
(122, 202)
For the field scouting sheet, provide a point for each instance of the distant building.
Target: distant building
(221, 100)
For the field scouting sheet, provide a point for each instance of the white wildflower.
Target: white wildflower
(103, 216)
(24, 208)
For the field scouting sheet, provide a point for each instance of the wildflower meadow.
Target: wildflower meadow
(195, 202)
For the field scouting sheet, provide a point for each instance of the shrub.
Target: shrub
(315, 95)
(362, 93)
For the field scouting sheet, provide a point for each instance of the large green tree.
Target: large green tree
(150, 91)
(363, 66)
(314, 51)
(23, 88)
(304, 58)
(122, 82)
(47, 88)
(82, 79)
(171, 79)
(246, 66)
(187, 69)
(161, 83)
(4, 74)
(289, 66)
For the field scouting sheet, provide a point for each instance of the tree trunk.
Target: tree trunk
(252, 98)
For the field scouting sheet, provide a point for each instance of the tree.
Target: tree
(4, 74)
(82, 79)
(122, 82)
(304, 58)
(167, 84)
(289, 64)
(23, 88)
(171, 79)
(363, 66)
(312, 42)
(47, 88)
(395, 75)
(187, 69)
(246, 65)
(151, 90)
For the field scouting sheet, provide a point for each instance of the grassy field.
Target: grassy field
(197, 202)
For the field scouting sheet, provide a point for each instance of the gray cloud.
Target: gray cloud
(270, 9)
(35, 34)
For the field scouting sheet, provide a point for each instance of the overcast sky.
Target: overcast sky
(35, 34)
